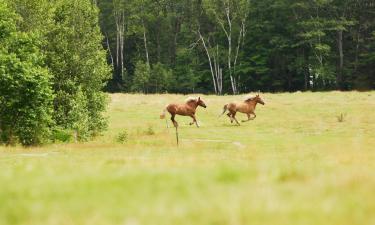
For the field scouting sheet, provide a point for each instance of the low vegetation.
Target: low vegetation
(295, 163)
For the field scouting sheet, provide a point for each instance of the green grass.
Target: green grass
(296, 163)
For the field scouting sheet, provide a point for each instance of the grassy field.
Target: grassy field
(296, 163)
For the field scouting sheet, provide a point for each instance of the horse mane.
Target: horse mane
(191, 99)
(249, 98)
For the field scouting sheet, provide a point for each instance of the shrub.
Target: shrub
(341, 118)
(122, 137)
(150, 130)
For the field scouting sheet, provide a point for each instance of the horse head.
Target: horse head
(200, 102)
(258, 99)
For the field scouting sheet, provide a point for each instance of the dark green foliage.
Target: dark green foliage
(141, 80)
(287, 45)
(160, 79)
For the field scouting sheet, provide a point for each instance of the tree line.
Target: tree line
(56, 56)
(236, 46)
(53, 69)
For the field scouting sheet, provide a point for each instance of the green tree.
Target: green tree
(25, 87)
(160, 78)
(141, 77)
(242, 45)
(77, 61)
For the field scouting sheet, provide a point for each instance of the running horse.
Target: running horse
(187, 109)
(247, 107)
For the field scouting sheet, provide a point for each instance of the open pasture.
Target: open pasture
(298, 162)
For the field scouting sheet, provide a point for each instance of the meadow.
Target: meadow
(308, 158)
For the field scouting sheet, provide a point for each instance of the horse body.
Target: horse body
(187, 109)
(247, 107)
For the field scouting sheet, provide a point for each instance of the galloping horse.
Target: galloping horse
(187, 109)
(247, 107)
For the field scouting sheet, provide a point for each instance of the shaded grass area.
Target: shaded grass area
(294, 164)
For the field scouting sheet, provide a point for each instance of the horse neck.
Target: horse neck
(253, 103)
(193, 104)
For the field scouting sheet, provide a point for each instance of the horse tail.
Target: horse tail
(162, 115)
(224, 109)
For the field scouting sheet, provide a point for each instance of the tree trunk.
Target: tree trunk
(217, 72)
(306, 69)
(158, 47)
(117, 38)
(339, 77)
(122, 43)
(109, 51)
(145, 43)
(176, 29)
(229, 38)
(357, 51)
(120, 29)
(209, 61)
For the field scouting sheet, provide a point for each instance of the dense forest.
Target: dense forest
(236, 46)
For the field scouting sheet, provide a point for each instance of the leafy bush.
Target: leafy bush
(150, 130)
(122, 137)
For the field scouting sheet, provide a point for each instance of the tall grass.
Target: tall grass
(294, 164)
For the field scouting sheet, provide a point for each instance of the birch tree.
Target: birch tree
(231, 16)
(213, 57)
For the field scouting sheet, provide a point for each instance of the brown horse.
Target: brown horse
(187, 109)
(247, 107)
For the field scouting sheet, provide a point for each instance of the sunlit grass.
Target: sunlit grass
(294, 164)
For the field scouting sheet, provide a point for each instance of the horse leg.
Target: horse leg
(191, 123)
(248, 118)
(174, 121)
(230, 116)
(255, 116)
(234, 117)
(194, 121)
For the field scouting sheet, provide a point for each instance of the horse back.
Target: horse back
(244, 107)
(180, 109)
